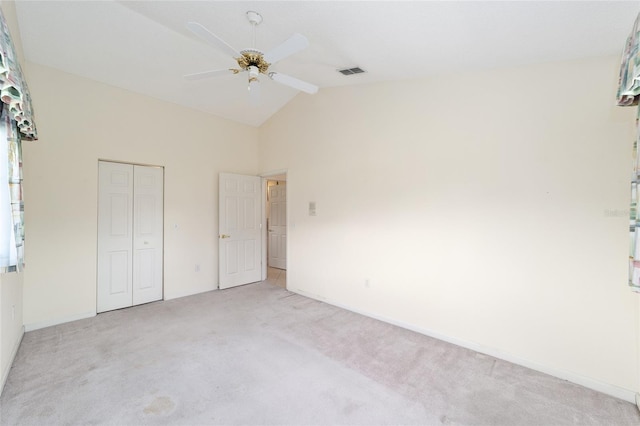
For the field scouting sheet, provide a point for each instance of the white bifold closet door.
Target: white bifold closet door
(130, 235)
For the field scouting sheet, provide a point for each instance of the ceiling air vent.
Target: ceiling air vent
(350, 71)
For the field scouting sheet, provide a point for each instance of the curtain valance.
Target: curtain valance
(14, 93)
(629, 82)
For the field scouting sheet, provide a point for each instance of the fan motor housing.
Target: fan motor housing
(253, 58)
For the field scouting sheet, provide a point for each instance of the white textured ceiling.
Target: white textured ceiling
(144, 46)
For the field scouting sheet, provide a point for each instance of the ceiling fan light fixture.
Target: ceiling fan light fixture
(253, 72)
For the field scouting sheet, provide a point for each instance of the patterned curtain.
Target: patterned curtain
(628, 95)
(12, 258)
(16, 123)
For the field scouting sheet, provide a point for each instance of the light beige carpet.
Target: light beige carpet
(259, 354)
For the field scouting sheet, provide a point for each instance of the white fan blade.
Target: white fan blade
(212, 39)
(254, 93)
(293, 44)
(287, 80)
(207, 74)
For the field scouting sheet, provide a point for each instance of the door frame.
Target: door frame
(265, 238)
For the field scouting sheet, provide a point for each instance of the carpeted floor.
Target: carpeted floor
(258, 354)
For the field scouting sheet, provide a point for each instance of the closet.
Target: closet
(130, 235)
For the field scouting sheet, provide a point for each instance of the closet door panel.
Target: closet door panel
(115, 230)
(147, 234)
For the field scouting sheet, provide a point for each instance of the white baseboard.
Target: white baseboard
(615, 391)
(638, 400)
(12, 357)
(43, 324)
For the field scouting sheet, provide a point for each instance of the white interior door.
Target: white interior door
(130, 235)
(277, 230)
(239, 239)
(115, 243)
(147, 234)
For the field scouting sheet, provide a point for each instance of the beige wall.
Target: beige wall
(80, 121)
(11, 329)
(485, 208)
(11, 298)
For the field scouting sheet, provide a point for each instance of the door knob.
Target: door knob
(225, 236)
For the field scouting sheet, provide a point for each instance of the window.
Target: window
(11, 205)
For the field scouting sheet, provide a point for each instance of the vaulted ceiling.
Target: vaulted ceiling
(145, 46)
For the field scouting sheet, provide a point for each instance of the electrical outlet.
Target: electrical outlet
(366, 283)
(197, 267)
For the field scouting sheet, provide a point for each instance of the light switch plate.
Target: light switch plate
(312, 208)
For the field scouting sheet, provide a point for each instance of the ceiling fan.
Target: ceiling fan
(254, 61)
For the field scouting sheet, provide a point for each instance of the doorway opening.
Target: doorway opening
(252, 226)
(275, 228)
